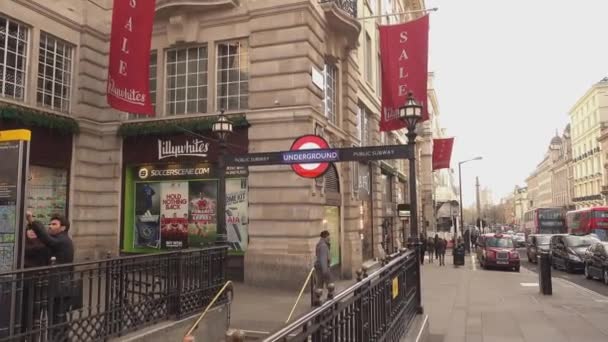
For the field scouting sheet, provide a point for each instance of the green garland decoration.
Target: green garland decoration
(32, 117)
(173, 126)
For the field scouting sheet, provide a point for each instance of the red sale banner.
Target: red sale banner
(442, 153)
(128, 73)
(404, 53)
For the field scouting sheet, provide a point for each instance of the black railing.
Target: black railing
(379, 307)
(94, 301)
(349, 6)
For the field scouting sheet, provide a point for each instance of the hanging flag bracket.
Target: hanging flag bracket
(434, 9)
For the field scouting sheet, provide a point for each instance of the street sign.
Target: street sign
(321, 155)
(300, 152)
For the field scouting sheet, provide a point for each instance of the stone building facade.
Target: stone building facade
(256, 59)
(586, 119)
(550, 184)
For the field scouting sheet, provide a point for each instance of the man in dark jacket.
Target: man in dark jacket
(61, 283)
(323, 261)
(56, 238)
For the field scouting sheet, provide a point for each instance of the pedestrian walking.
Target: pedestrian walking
(62, 287)
(440, 248)
(422, 248)
(430, 246)
(436, 244)
(322, 261)
(467, 240)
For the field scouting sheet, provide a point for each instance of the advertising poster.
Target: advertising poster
(147, 215)
(174, 214)
(236, 214)
(9, 171)
(202, 225)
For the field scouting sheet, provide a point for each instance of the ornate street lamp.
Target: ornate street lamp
(411, 114)
(460, 194)
(222, 128)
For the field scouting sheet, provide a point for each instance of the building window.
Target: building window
(359, 123)
(187, 80)
(232, 75)
(152, 83)
(13, 57)
(368, 59)
(331, 73)
(54, 73)
(355, 177)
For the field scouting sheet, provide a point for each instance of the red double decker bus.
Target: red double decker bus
(544, 221)
(588, 221)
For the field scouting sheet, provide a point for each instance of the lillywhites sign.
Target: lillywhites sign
(192, 148)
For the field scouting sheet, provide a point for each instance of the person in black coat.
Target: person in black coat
(61, 284)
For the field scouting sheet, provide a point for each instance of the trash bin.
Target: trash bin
(544, 274)
(458, 254)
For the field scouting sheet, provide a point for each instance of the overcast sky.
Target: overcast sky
(507, 73)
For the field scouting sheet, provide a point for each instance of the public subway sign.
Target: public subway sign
(128, 70)
(404, 53)
(191, 148)
(307, 163)
(360, 154)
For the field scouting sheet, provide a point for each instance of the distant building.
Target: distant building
(586, 118)
(521, 204)
(550, 184)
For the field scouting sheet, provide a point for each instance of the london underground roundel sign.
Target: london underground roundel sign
(309, 142)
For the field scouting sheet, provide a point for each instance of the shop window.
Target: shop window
(54, 73)
(14, 38)
(187, 80)
(47, 192)
(331, 72)
(179, 214)
(232, 75)
(152, 83)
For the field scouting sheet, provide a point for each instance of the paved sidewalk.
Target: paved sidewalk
(473, 305)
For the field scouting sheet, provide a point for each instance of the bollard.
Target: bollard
(544, 274)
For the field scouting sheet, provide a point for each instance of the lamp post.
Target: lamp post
(411, 113)
(460, 193)
(222, 128)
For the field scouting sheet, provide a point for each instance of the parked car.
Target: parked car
(519, 239)
(536, 244)
(568, 251)
(596, 261)
(497, 250)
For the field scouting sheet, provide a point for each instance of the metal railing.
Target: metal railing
(227, 287)
(380, 307)
(93, 301)
(349, 6)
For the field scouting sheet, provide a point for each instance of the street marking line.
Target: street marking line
(473, 262)
(601, 300)
(528, 284)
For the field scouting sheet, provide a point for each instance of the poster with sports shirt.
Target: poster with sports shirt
(174, 215)
(202, 224)
(147, 214)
